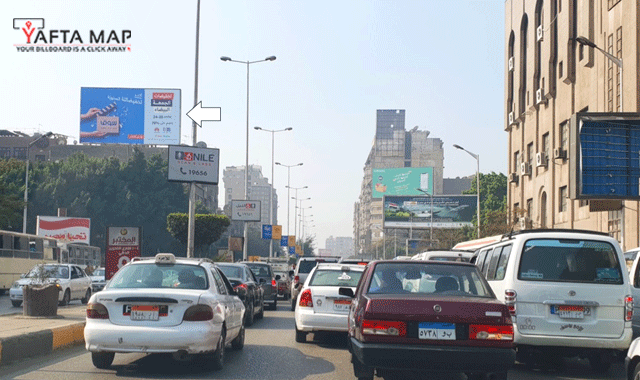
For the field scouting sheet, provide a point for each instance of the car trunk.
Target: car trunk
(326, 300)
(570, 309)
(140, 308)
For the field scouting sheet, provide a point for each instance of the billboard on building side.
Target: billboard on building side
(64, 229)
(445, 211)
(401, 181)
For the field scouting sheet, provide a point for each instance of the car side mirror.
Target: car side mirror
(278, 277)
(291, 273)
(262, 280)
(346, 292)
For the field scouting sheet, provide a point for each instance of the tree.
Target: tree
(11, 189)
(308, 245)
(493, 204)
(208, 228)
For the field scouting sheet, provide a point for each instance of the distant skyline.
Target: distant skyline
(337, 63)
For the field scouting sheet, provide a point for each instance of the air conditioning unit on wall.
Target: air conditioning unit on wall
(541, 160)
(510, 63)
(513, 177)
(525, 223)
(559, 153)
(525, 168)
(539, 33)
(540, 98)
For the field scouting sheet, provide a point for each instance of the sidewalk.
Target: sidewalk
(22, 337)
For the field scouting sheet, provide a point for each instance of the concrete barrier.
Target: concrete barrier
(40, 343)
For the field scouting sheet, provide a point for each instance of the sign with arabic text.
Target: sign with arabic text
(64, 229)
(401, 181)
(249, 211)
(123, 244)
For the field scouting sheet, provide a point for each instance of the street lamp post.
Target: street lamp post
(295, 216)
(618, 61)
(289, 187)
(26, 182)
(431, 212)
(273, 181)
(477, 157)
(246, 169)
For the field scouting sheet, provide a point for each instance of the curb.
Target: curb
(40, 343)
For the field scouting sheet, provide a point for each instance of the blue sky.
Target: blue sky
(337, 63)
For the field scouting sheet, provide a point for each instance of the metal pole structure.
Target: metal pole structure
(477, 157)
(26, 182)
(288, 188)
(273, 181)
(246, 168)
(192, 190)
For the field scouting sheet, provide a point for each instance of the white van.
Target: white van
(568, 292)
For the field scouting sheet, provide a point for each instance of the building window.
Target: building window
(516, 162)
(564, 135)
(584, 202)
(545, 146)
(516, 211)
(563, 199)
(543, 210)
(530, 155)
(530, 208)
(613, 224)
(5, 152)
(610, 74)
(618, 55)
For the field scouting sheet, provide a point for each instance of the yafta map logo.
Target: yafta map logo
(36, 38)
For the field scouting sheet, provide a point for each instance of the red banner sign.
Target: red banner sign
(123, 244)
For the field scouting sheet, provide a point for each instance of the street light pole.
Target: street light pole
(246, 168)
(431, 212)
(273, 181)
(289, 187)
(477, 157)
(295, 216)
(191, 232)
(618, 62)
(26, 182)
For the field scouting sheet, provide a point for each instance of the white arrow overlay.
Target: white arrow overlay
(199, 114)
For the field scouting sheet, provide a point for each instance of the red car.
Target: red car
(428, 316)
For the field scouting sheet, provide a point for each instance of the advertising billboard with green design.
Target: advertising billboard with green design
(401, 181)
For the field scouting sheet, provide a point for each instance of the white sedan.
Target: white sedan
(165, 305)
(319, 306)
(74, 283)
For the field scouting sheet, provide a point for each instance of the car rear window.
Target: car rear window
(306, 266)
(570, 260)
(422, 278)
(326, 277)
(260, 270)
(231, 271)
(146, 276)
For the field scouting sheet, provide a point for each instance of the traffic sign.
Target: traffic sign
(266, 231)
(248, 211)
(284, 241)
(276, 232)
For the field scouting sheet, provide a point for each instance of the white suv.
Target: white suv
(568, 292)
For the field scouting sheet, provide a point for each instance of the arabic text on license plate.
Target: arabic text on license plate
(341, 305)
(574, 312)
(437, 331)
(144, 312)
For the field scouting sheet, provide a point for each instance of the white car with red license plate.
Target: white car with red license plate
(320, 307)
(165, 305)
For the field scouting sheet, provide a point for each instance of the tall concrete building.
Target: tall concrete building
(393, 147)
(259, 189)
(339, 246)
(551, 73)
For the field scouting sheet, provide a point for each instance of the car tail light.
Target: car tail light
(241, 286)
(510, 300)
(274, 284)
(97, 311)
(197, 313)
(296, 280)
(491, 332)
(305, 299)
(389, 328)
(628, 304)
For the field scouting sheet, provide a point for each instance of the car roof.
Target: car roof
(422, 262)
(339, 266)
(254, 263)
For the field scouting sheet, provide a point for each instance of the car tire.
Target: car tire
(636, 372)
(16, 303)
(217, 361)
(361, 371)
(275, 304)
(248, 321)
(87, 295)
(238, 342)
(293, 304)
(260, 315)
(66, 298)
(598, 363)
(301, 336)
(102, 360)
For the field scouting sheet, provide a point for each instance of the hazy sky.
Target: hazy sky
(337, 63)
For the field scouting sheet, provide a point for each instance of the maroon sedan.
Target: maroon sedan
(428, 316)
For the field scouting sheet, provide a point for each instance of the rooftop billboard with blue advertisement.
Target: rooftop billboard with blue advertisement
(129, 116)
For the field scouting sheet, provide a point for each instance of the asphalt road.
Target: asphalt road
(270, 352)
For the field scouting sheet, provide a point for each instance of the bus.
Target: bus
(20, 252)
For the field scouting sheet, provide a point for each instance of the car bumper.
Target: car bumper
(433, 358)
(307, 320)
(620, 343)
(15, 294)
(193, 337)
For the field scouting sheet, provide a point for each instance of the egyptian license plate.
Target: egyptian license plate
(437, 331)
(568, 311)
(341, 305)
(145, 312)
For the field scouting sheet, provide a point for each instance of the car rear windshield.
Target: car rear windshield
(49, 271)
(231, 271)
(422, 278)
(260, 270)
(306, 266)
(570, 260)
(160, 276)
(327, 277)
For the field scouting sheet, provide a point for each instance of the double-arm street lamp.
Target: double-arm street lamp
(26, 181)
(477, 157)
(430, 212)
(295, 216)
(273, 181)
(246, 169)
(289, 188)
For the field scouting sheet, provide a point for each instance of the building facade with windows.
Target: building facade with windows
(339, 246)
(259, 189)
(550, 75)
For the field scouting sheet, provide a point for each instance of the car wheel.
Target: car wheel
(66, 298)
(598, 363)
(248, 321)
(361, 371)
(275, 304)
(293, 304)
(102, 360)
(301, 336)
(16, 303)
(636, 372)
(87, 295)
(238, 342)
(260, 315)
(218, 356)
